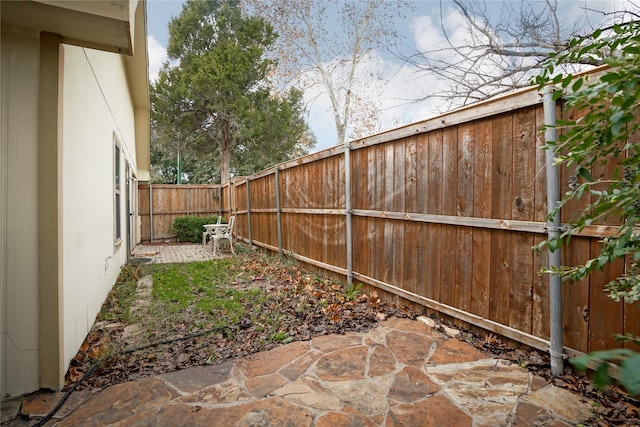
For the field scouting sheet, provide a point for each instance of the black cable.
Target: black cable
(92, 369)
(53, 411)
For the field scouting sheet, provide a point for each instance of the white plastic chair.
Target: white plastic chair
(209, 232)
(224, 233)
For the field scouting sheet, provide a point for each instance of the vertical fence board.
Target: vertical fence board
(464, 235)
(387, 273)
(606, 317)
(482, 189)
(422, 200)
(399, 188)
(434, 236)
(522, 205)
(449, 207)
(377, 258)
(575, 298)
(409, 234)
(501, 162)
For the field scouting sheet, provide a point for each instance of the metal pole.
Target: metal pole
(347, 208)
(151, 212)
(278, 209)
(249, 211)
(179, 178)
(553, 229)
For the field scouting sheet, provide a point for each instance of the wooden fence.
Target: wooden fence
(160, 205)
(444, 213)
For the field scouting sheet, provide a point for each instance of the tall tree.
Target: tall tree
(328, 44)
(487, 48)
(208, 102)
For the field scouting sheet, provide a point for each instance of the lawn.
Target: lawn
(208, 312)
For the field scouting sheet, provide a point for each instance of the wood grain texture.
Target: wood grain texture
(447, 215)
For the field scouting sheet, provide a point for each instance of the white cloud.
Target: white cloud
(157, 56)
(389, 85)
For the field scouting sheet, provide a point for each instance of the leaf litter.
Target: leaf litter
(283, 303)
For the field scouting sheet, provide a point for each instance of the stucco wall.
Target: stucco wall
(19, 344)
(96, 111)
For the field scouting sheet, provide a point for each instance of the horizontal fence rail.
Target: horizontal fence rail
(444, 214)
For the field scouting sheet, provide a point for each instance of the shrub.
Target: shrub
(190, 228)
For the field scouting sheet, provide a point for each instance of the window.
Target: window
(117, 187)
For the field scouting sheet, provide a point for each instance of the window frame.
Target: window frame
(117, 192)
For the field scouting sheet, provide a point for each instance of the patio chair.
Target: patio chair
(209, 232)
(224, 233)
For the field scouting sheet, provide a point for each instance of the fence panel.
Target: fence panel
(444, 214)
(160, 205)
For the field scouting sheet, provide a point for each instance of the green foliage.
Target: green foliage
(628, 371)
(352, 291)
(190, 228)
(216, 107)
(606, 133)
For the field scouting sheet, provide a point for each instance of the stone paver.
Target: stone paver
(403, 373)
(187, 252)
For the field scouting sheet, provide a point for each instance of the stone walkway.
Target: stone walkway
(403, 373)
(176, 253)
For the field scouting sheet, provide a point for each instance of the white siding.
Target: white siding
(19, 340)
(96, 107)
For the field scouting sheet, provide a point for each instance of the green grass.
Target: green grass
(202, 290)
(117, 306)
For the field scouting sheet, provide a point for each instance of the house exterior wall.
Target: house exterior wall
(97, 115)
(63, 109)
(19, 347)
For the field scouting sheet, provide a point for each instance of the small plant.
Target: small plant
(352, 291)
(280, 337)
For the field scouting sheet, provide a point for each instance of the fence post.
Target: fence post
(556, 350)
(278, 209)
(249, 210)
(347, 206)
(220, 199)
(151, 212)
(230, 200)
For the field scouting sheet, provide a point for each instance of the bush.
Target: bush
(190, 228)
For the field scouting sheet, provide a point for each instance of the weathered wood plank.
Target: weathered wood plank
(464, 235)
(409, 251)
(387, 275)
(434, 231)
(501, 162)
(377, 258)
(606, 317)
(523, 199)
(482, 188)
(398, 197)
(575, 297)
(449, 207)
(422, 201)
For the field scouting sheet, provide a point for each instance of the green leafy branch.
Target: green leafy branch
(606, 133)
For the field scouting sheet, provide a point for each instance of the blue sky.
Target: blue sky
(420, 30)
